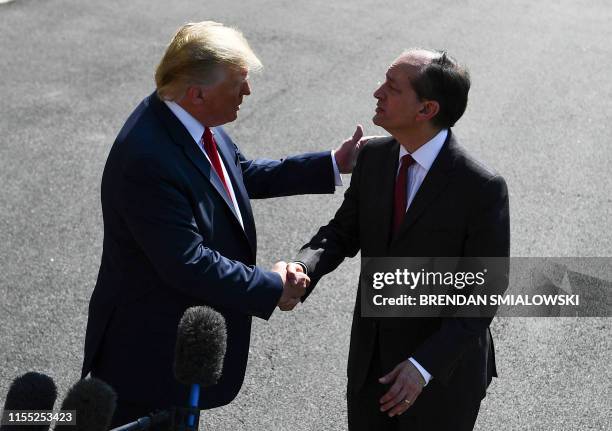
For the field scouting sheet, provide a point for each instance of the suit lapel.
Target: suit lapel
(386, 188)
(228, 155)
(181, 136)
(199, 159)
(434, 183)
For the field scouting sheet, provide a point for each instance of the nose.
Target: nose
(246, 88)
(378, 93)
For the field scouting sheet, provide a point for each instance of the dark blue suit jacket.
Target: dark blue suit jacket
(172, 240)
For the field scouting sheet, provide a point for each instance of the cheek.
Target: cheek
(402, 105)
(215, 102)
(226, 102)
(233, 96)
(393, 105)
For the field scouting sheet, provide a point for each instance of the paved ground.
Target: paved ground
(539, 113)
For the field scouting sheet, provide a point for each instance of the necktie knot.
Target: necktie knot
(207, 138)
(406, 161)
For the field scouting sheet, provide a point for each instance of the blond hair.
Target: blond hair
(195, 54)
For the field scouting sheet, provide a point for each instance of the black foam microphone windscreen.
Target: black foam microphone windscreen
(200, 347)
(94, 402)
(31, 391)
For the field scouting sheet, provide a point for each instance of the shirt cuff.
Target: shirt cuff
(337, 177)
(422, 370)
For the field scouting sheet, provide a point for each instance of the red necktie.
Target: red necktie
(401, 192)
(210, 146)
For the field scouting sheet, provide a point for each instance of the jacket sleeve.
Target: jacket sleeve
(160, 218)
(488, 236)
(339, 238)
(309, 173)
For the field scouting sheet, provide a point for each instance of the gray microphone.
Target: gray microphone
(200, 348)
(94, 402)
(31, 391)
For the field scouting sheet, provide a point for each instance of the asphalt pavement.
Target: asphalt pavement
(539, 113)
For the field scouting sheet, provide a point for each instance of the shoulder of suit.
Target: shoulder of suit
(141, 122)
(382, 141)
(470, 165)
(144, 140)
(378, 145)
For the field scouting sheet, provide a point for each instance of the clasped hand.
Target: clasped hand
(295, 283)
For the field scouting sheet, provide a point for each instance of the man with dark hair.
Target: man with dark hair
(416, 193)
(447, 82)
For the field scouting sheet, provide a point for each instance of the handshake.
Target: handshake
(295, 283)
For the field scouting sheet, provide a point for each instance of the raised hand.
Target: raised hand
(346, 154)
(294, 286)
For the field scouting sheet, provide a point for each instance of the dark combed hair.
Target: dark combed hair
(448, 83)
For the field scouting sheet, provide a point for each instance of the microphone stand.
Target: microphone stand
(194, 400)
(173, 419)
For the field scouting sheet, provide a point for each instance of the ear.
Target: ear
(429, 110)
(195, 94)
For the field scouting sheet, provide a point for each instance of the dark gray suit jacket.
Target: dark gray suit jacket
(461, 209)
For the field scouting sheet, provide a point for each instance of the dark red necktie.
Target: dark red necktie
(210, 146)
(401, 192)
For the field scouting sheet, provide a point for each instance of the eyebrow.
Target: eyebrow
(389, 78)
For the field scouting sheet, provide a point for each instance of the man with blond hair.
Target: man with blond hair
(179, 228)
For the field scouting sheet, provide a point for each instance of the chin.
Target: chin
(232, 117)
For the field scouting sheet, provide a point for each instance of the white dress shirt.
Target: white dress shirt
(424, 157)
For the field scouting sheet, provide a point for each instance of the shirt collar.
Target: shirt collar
(427, 153)
(193, 126)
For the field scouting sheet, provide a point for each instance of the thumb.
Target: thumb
(391, 376)
(358, 133)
